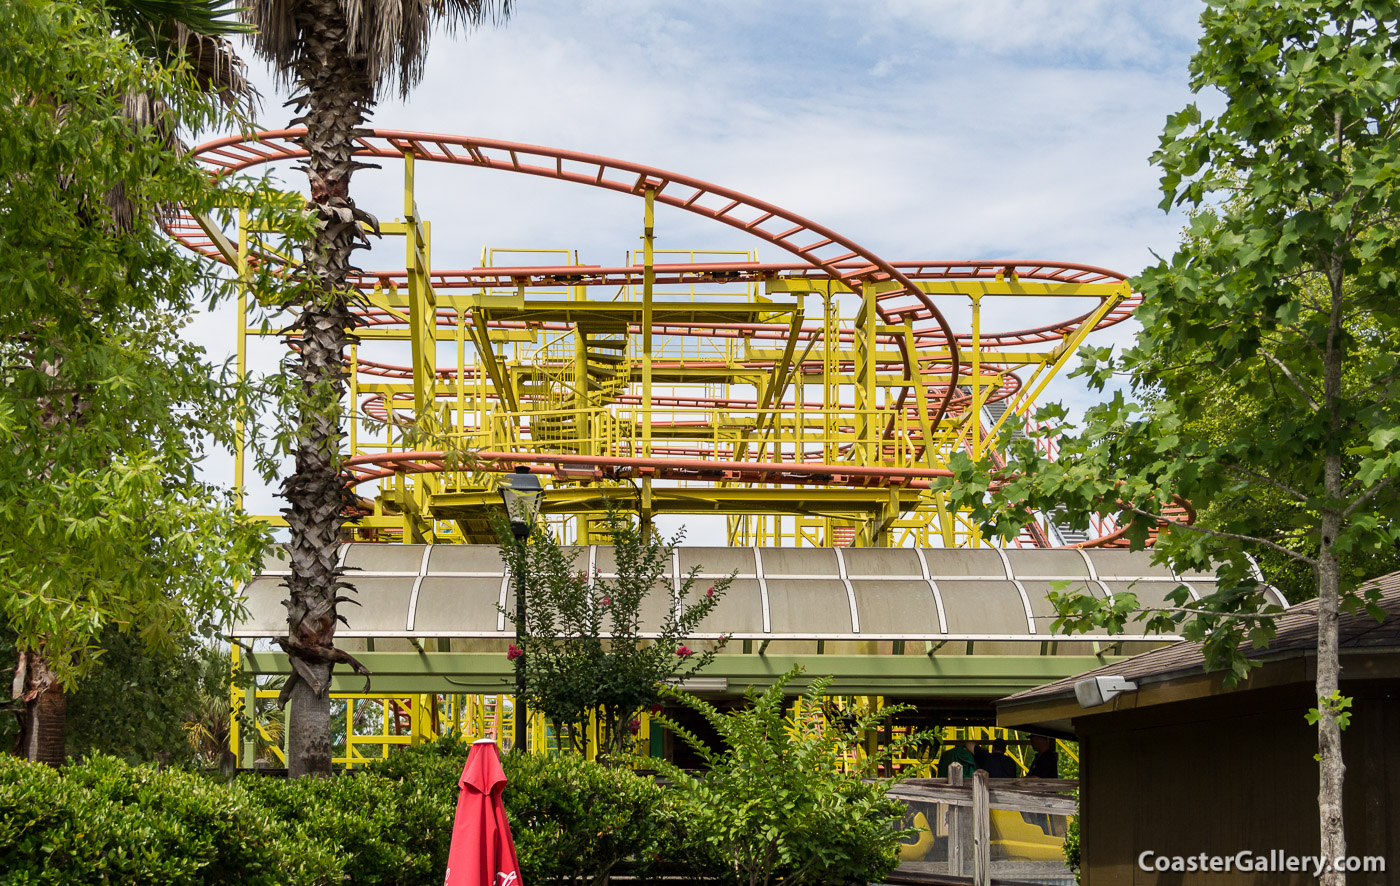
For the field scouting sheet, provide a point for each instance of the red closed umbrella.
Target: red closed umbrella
(482, 852)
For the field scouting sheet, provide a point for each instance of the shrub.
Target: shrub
(572, 820)
(105, 822)
(389, 833)
(775, 804)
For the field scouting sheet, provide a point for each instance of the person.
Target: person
(1047, 760)
(998, 764)
(959, 752)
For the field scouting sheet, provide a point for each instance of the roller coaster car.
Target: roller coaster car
(1027, 836)
(1016, 836)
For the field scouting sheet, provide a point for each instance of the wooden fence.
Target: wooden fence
(963, 813)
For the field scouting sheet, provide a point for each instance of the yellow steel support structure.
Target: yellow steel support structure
(603, 385)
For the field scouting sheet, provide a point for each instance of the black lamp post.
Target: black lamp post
(522, 494)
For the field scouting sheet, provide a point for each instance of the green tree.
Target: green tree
(340, 55)
(105, 407)
(581, 647)
(1271, 513)
(1284, 292)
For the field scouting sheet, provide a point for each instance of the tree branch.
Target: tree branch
(1288, 374)
(1189, 611)
(1286, 490)
(1370, 494)
(1215, 533)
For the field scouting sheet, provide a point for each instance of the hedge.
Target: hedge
(104, 821)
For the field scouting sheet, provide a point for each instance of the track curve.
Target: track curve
(827, 251)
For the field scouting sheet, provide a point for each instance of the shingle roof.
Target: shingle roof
(1296, 631)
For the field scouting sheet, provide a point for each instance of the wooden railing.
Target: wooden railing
(967, 838)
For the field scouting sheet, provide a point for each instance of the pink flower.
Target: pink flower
(514, 652)
(684, 652)
(635, 725)
(723, 638)
(710, 591)
(606, 601)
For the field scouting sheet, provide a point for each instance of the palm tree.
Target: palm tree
(339, 55)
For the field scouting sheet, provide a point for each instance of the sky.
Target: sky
(922, 129)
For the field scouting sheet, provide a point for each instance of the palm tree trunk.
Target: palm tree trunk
(333, 105)
(44, 717)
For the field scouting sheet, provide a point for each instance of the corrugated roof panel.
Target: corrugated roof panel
(660, 603)
(384, 558)
(955, 563)
(1149, 594)
(383, 605)
(881, 561)
(717, 561)
(464, 558)
(267, 616)
(1046, 564)
(799, 561)
(1126, 565)
(1044, 613)
(455, 605)
(892, 606)
(808, 607)
(983, 607)
(739, 612)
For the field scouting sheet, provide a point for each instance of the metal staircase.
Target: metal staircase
(606, 374)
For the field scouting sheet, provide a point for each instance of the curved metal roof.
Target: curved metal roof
(934, 594)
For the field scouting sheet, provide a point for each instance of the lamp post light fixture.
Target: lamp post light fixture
(522, 495)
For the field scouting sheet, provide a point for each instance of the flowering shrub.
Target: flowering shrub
(580, 643)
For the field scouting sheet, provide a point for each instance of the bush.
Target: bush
(775, 805)
(389, 833)
(105, 822)
(1069, 768)
(572, 820)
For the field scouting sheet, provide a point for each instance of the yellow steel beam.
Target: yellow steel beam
(850, 503)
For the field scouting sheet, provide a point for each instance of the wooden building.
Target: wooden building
(1184, 766)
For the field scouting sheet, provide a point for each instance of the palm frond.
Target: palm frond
(213, 18)
(390, 35)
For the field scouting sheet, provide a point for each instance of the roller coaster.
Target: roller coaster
(706, 385)
(809, 403)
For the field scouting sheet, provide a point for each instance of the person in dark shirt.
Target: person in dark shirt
(964, 753)
(1047, 760)
(998, 764)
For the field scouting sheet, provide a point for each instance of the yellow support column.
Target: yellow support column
(235, 702)
(975, 407)
(648, 285)
(239, 431)
(867, 427)
(422, 314)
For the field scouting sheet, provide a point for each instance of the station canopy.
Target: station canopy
(987, 595)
